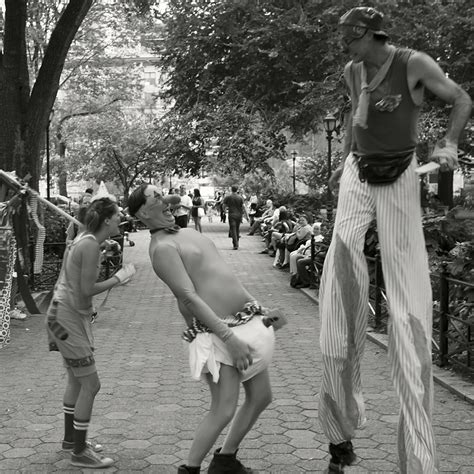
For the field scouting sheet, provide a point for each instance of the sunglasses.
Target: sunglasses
(351, 33)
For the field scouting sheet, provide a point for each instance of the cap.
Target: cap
(365, 17)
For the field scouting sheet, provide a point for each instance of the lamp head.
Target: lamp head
(330, 123)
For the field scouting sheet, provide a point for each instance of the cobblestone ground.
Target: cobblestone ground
(148, 407)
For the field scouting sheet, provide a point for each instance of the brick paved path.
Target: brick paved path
(148, 407)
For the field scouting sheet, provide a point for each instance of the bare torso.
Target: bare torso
(206, 272)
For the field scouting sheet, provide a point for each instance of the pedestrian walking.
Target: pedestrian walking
(378, 180)
(183, 209)
(220, 206)
(235, 208)
(69, 327)
(197, 211)
(229, 340)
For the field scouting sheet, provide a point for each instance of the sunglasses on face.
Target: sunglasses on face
(351, 33)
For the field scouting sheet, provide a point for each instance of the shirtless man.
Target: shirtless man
(229, 342)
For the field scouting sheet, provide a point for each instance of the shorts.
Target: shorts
(207, 352)
(78, 348)
(80, 371)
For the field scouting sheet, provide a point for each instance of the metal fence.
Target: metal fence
(53, 256)
(453, 316)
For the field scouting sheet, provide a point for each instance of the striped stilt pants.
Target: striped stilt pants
(344, 307)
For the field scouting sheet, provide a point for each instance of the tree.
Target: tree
(238, 142)
(278, 55)
(118, 146)
(284, 57)
(25, 110)
(37, 37)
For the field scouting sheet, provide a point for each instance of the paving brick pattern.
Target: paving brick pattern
(148, 407)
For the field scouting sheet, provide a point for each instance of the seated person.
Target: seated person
(268, 213)
(303, 253)
(290, 242)
(280, 227)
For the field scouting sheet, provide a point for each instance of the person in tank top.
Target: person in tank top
(69, 327)
(378, 181)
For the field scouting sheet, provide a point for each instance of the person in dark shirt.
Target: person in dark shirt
(378, 181)
(234, 204)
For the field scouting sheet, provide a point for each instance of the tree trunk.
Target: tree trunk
(24, 117)
(14, 86)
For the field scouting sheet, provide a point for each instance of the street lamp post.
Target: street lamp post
(330, 127)
(48, 172)
(293, 155)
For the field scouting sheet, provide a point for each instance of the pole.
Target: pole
(294, 174)
(21, 188)
(329, 195)
(48, 175)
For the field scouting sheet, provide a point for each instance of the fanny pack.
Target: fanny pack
(382, 170)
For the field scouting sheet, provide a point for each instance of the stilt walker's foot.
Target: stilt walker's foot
(183, 469)
(342, 455)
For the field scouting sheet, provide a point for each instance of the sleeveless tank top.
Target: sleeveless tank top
(68, 287)
(388, 131)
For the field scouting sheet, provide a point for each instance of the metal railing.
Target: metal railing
(453, 317)
(53, 257)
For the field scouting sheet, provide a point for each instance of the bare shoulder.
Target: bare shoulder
(87, 244)
(423, 70)
(420, 64)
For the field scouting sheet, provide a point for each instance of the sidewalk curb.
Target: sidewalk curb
(451, 382)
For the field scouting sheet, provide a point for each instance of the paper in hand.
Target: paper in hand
(427, 168)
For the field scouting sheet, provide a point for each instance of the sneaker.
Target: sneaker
(96, 447)
(91, 460)
(228, 463)
(183, 469)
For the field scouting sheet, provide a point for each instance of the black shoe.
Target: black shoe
(183, 469)
(342, 455)
(227, 464)
(264, 251)
(236, 248)
(302, 285)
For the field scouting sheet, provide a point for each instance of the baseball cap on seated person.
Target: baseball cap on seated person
(357, 21)
(140, 195)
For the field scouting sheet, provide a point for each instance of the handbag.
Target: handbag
(201, 212)
(382, 170)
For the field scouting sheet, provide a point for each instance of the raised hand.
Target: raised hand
(125, 274)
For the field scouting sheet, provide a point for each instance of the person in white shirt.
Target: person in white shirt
(181, 212)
